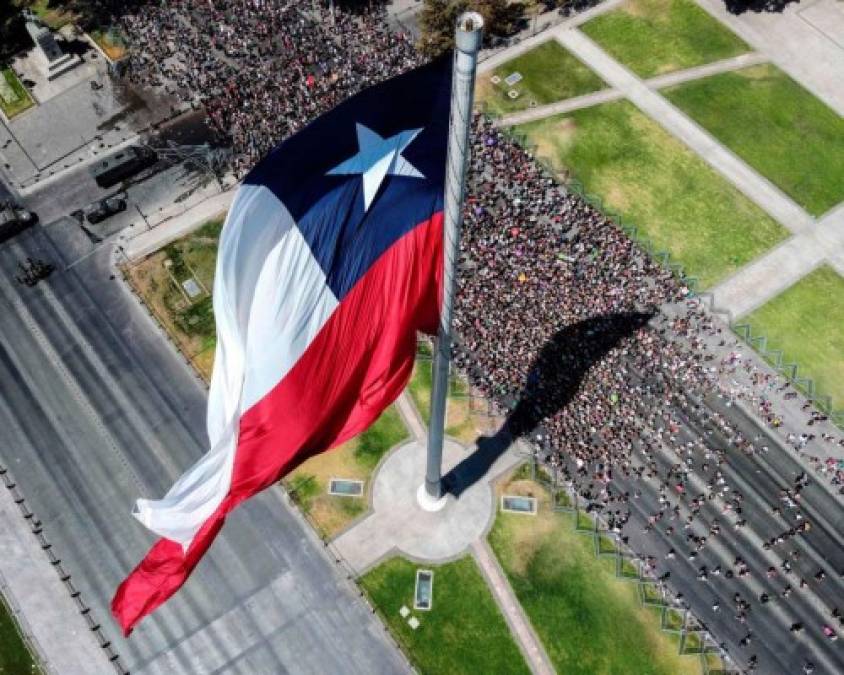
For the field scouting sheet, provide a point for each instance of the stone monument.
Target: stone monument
(54, 61)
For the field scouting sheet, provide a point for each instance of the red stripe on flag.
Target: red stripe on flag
(356, 366)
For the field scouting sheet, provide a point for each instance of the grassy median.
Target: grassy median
(776, 126)
(652, 37)
(590, 622)
(15, 658)
(160, 279)
(463, 632)
(806, 322)
(659, 185)
(14, 98)
(549, 73)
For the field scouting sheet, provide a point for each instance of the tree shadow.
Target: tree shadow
(552, 381)
(757, 6)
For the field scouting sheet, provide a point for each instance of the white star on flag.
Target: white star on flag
(377, 158)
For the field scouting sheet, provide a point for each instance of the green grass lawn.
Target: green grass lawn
(189, 322)
(590, 622)
(652, 37)
(776, 126)
(49, 12)
(464, 632)
(659, 185)
(462, 422)
(356, 459)
(15, 658)
(550, 73)
(14, 98)
(806, 321)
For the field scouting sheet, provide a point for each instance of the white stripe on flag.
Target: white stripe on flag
(270, 301)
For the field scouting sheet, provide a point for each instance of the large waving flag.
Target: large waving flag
(330, 261)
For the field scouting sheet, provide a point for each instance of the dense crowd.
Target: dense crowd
(592, 350)
(612, 369)
(261, 69)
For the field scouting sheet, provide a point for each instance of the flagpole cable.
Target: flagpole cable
(468, 37)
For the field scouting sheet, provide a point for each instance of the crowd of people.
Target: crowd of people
(261, 68)
(608, 365)
(592, 350)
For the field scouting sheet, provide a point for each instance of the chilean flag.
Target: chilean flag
(329, 263)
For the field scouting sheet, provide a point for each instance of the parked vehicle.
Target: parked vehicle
(121, 165)
(14, 219)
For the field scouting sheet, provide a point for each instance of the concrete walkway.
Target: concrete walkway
(772, 273)
(491, 62)
(519, 624)
(63, 643)
(707, 70)
(606, 95)
(398, 524)
(758, 189)
(151, 240)
(806, 40)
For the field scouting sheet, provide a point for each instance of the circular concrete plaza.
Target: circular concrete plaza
(424, 534)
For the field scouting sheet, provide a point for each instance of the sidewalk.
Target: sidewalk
(519, 624)
(764, 278)
(758, 189)
(606, 95)
(40, 601)
(153, 239)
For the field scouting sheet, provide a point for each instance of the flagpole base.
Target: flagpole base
(427, 502)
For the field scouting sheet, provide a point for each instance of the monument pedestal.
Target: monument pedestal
(398, 522)
(53, 60)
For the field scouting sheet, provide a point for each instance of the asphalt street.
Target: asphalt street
(96, 410)
(5, 192)
(759, 477)
(164, 186)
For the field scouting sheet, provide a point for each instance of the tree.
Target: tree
(13, 35)
(437, 19)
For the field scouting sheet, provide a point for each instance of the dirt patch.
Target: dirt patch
(617, 198)
(484, 89)
(330, 514)
(763, 71)
(641, 9)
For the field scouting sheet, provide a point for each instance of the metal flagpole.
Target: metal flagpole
(467, 45)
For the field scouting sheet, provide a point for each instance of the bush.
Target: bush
(197, 319)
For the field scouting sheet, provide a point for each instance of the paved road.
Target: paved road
(759, 478)
(98, 410)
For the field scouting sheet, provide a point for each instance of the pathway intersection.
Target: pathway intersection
(780, 39)
(398, 525)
